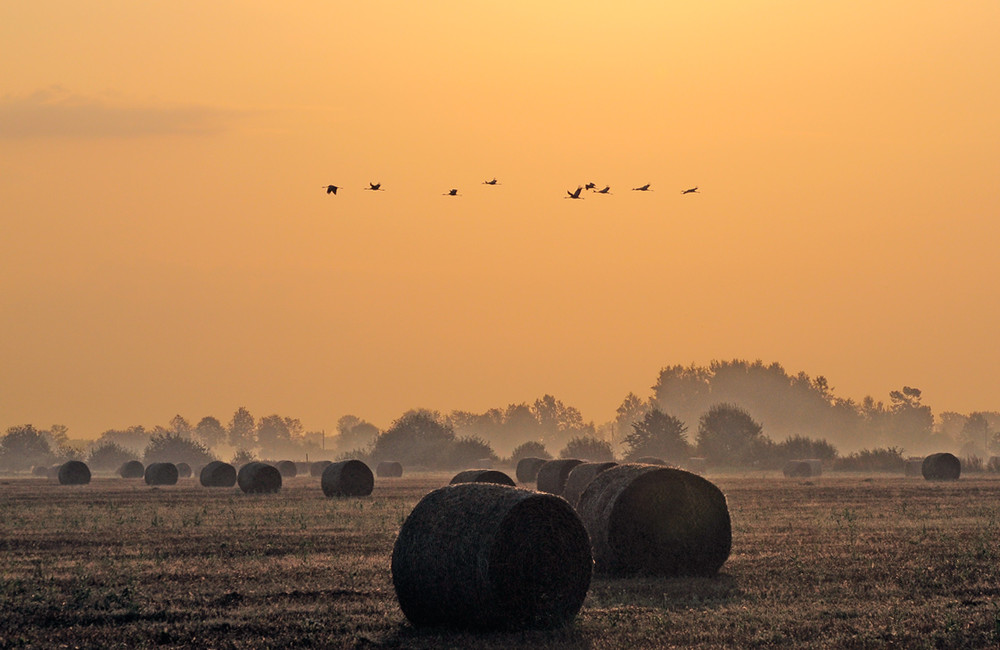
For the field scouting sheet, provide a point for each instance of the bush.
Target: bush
(175, 448)
(880, 459)
(108, 456)
(727, 435)
(530, 449)
(417, 438)
(658, 435)
(465, 452)
(588, 448)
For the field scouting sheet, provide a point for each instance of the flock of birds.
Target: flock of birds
(575, 194)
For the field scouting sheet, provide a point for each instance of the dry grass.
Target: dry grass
(832, 562)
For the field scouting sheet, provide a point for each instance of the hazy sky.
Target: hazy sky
(166, 245)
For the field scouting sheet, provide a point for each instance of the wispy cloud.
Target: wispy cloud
(58, 113)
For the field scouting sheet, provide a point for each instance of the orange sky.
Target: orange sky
(166, 247)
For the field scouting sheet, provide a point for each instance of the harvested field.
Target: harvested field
(847, 562)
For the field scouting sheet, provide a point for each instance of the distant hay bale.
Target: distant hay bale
(132, 469)
(522, 559)
(697, 465)
(553, 474)
(650, 460)
(646, 519)
(259, 478)
(803, 468)
(527, 469)
(74, 472)
(40, 470)
(389, 469)
(941, 467)
(161, 474)
(348, 478)
(183, 470)
(483, 476)
(218, 474)
(580, 477)
(913, 466)
(287, 468)
(316, 469)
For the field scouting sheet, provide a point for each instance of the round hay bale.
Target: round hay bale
(647, 519)
(941, 467)
(348, 478)
(316, 469)
(161, 474)
(132, 469)
(650, 460)
(553, 474)
(522, 559)
(40, 470)
(483, 476)
(259, 478)
(580, 477)
(797, 469)
(73, 472)
(287, 469)
(218, 474)
(527, 469)
(183, 470)
(389, 469)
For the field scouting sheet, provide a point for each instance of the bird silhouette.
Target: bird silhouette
(606, 190)
(331, 189)
(590, 186)
(451, 193)
(644, 188)
(374, 187)
(492, 182)
(574, 195)
(693, 190)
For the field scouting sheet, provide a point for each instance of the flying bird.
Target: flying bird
(644, 188)
(574, 195)
(374, 186)
(693, 190)
(331, 189)
(590, 186)
(606, 190)
(451, 193)
(492, 182)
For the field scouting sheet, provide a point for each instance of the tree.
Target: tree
(23, 447)
(242, 457)
(530, 449)
(170, 447)
(135, 438)
(242, 429)
(272, 433)
(180, 426)
(354, 433)
(975, 432)
(728, 435)
(464, 452)
(210, 431)
(418, 437)
(660, 435)
(632, 409)
(108, 456)
(912, 423)
(588, 448)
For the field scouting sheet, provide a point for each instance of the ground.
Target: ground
(850, 561)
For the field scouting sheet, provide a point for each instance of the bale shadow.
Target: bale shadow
(407, 636)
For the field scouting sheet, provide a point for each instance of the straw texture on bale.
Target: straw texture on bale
(802, 468)
(527, 469)
(74, 472)
(553, 474)
(40, 470)
(218, 474)
(389, 469)
(650, 460)
(580, 477)
(259, 478)
(522, 559)
(287, 469)
(941, 467)
(132, 469)
(161, 474)
(348, 478)
(316, 469)
(646, 519)
(483, 476)
(183, 470)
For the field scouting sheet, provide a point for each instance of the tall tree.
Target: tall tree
(242, 429)
(660, 435)
(210, 431)
(727, 435)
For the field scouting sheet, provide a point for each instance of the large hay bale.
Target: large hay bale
(941, 467)
(218, 474)
(553, 474)
(348, 478)
(183, 470)
(74, 472)
(40, 470)
(389, 469)
(650, 460)
(483, 476)
(527, 469)
(316, 469)
(522, 559)
(132, 469)
(913, 466)
(580, 477)
(161, 474)
(287, 468)
(259, 478)
(798, 469)
(647, 519)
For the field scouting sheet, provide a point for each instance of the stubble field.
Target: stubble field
(836, 561)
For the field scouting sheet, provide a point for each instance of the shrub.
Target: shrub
(530, 449)
(108, 456)
(588, 448)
